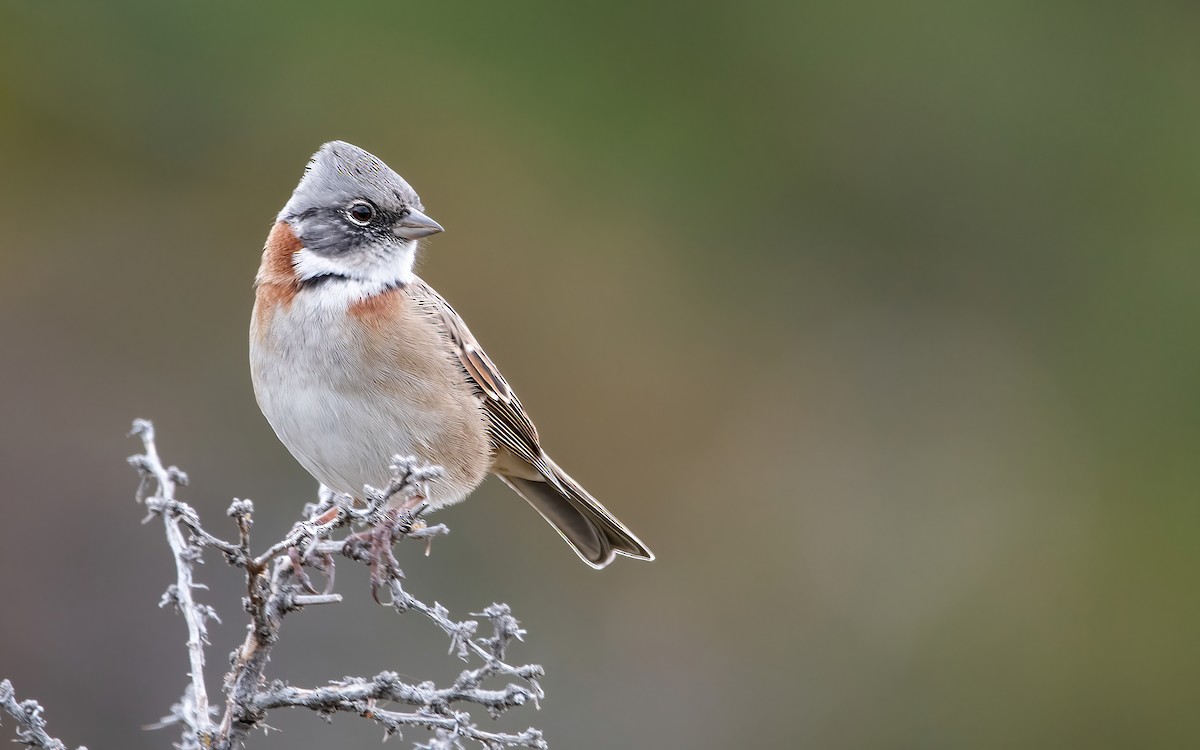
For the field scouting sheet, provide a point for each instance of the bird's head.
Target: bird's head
(355, 218)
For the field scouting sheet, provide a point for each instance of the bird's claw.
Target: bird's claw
(378, 542)
(298, 570)
(326, 567)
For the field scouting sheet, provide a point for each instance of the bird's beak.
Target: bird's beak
(416, 225)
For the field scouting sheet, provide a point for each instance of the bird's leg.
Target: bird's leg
(298, 570)
(299, 556)
(374, 544)
(395, 525)
(328, 569)
(383, 563)
(325, 566)
(411, 507)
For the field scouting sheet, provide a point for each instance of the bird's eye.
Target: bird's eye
(361, 213)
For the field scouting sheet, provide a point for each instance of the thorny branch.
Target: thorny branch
(194, 711)
(276, 586)
(31, 727)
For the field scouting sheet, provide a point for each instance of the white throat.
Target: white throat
(367, 271)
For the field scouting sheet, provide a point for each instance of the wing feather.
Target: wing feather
(592, 531)
(508, 423)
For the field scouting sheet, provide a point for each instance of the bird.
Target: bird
(355, 359)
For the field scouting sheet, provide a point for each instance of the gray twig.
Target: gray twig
(194, 712)
(277, 586)
(31, 727)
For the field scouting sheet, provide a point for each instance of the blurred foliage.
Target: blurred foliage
(873, 319)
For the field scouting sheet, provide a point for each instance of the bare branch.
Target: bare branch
(355, 695)
(194, 713)
(276, 586)
(31, 727)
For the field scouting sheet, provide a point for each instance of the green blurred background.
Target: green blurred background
(875, 320)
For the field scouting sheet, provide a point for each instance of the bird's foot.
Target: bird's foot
(325, 566)
(374, 545)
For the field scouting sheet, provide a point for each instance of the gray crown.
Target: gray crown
(341, 172)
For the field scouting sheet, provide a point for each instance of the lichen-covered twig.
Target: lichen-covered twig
(31, 727)
(277, 586)
(194, 712)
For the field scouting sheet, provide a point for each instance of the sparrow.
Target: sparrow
(355, 359)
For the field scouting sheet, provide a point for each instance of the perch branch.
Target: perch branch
(31, 727)
(276, 586)
(194, 712)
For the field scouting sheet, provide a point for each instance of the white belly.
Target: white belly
(343, 407)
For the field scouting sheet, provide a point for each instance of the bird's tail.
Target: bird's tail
(592, 531)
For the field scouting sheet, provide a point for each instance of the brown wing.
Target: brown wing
(510, 426)
(593, 532)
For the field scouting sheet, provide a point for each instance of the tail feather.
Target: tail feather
(592, 531)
